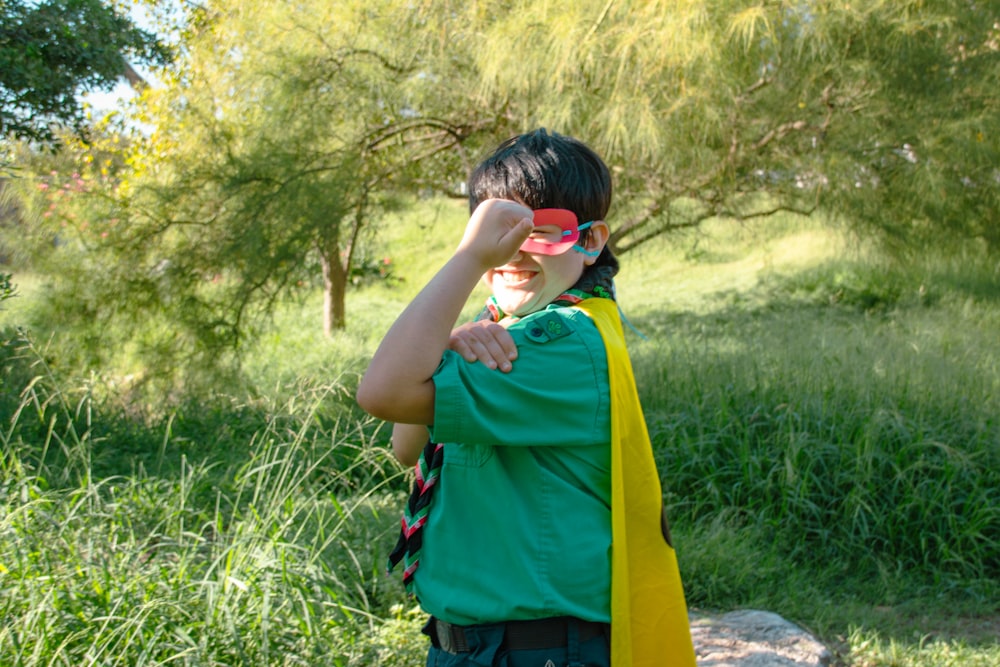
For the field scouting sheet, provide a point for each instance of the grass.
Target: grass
(825, 423)
(827, 432)
(273, 561)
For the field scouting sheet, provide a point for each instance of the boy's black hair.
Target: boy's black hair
(547, 170)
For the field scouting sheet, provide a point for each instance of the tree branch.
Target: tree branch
(384, 134)
(654, 233)
(134, 79)
(764, 213)
(753, 88)
(780, 132)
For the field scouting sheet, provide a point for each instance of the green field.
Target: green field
(826, 422)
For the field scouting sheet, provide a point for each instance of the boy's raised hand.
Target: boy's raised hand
(495, 231)
(398, 385)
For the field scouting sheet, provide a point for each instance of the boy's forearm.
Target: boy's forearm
(397, 385)
(408, 440)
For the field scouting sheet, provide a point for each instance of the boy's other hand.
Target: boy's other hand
(486, 342)
(495, 231)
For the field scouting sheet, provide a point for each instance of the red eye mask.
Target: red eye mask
(557, 230)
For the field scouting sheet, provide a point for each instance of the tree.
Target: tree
(924, 151)
(739, 109)
(61, 211)
(51, 51)
(287, 128)
(277, 144)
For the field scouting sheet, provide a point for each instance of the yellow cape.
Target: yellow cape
(649, 620)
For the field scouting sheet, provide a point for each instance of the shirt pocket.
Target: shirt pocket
(467, 456)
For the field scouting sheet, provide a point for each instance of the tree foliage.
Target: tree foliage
(918, 162)
(278, 143)
(270, 151)
(51, 51)
(742, 108)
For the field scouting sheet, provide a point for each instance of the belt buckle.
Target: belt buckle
(447, 637)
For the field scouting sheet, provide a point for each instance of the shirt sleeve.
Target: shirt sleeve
(556, 395)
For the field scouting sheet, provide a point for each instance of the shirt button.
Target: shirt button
(537, 334)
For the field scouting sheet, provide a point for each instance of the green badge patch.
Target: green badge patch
(546, 327)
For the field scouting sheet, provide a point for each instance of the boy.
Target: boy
(517, 541)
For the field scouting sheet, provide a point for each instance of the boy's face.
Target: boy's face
(529, 281)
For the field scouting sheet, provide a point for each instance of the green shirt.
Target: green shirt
(520, 525)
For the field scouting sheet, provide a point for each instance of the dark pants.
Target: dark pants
(493, 645)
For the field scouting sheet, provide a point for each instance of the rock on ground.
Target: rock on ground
(750, 638)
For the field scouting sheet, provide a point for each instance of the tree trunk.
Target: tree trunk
(334, 290)
(134, 78)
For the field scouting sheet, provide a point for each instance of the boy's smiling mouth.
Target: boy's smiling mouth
(516, 277)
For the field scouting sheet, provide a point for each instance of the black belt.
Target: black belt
(522, 635)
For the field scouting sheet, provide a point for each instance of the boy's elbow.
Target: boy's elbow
(369, 399)
(394, 404)
(406, 457)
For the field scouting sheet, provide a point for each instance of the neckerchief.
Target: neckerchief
(411, 538)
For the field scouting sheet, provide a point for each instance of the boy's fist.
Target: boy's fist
(496, 231)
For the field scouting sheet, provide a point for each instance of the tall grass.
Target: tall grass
(275, 561)
(865, 449)
(826, 427)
